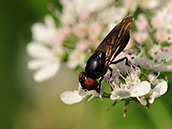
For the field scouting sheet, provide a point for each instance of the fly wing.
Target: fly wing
(116, 40)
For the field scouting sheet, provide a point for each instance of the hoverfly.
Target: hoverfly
(112, 45)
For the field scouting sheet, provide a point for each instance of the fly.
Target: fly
(99, 63)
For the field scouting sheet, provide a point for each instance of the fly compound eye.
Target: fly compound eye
(80, 76)
(87, 83)
(81, 79)
(91, 84)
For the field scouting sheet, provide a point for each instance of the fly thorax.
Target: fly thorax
(95, 65)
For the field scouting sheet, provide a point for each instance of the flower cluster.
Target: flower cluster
(72, 34)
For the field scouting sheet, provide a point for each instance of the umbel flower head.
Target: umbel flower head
(133, 86)
(71, 35)
(127, 83)
(46, 60)
(159, 88)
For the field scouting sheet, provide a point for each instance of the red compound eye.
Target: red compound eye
(91, 84)
(87, 83)
(80, 75)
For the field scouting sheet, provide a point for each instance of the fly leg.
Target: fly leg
(98, 88)
(110, 76)
(122, 59)
(110, 71)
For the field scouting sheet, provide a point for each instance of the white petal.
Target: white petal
(140, 89)
(46, 72)
(159, 90)
(113, 97)
(155, 94)
(72, 64)
(83, 92)
(38, 50)
(39, 32)
(142, 100)
(166, 67)
(35, 64)
(151, 100)
(94, 93)
(69, 97)
(119, 94)
(163, 87)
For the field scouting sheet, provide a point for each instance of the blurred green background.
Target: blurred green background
(25, 104)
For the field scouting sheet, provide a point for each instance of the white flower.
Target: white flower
(83, 6)
(162, 22)
(142, 26)
(132, 5)
(150, 64)
(165, 67)
(141, 37)
(93, 93)
(105, 17)
(44, 32)
(122, 65)
(163, 16)
(76, 58)
(46, 61)
(68, 16)
(157, 91)
(48, 33)
(162, 60)
(94, 30)
(132, 87)
(139, 89)
(160, 53)
(141, 23)
(146, 63)
(69, 97)
(153, 79)
(79, 9)
(163, 36)
(79, 54)
(150, 4)
(90, 31)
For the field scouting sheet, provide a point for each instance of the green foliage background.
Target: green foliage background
(24, 104)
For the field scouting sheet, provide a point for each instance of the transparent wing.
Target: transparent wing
(116, 40)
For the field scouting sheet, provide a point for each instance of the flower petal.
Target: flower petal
(46, 72)
(142, 100)
(159, 90)
(151, 100)
(69, 97)
(83, 92)
(163, 87)
(38, 50)
(35, 64)
(166, 67)
(119, 94)
(94, 93)
(140, 89)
